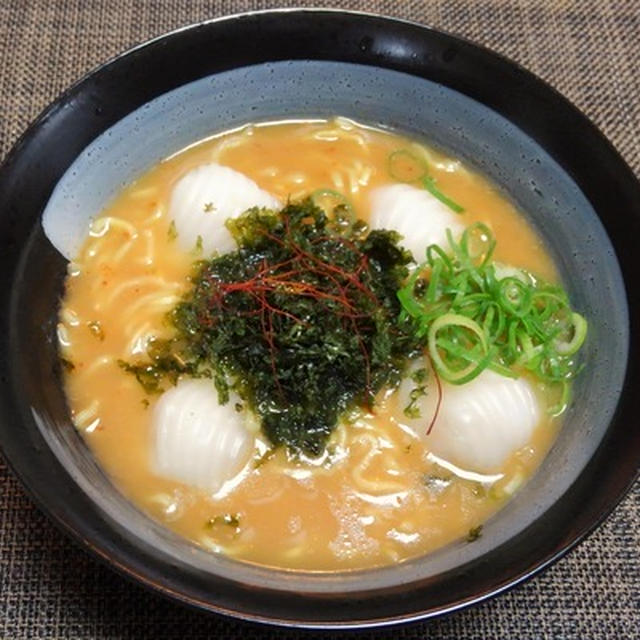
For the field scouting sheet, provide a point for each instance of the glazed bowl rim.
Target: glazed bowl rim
(111, 555)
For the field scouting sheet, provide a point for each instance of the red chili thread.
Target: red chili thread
(439, 402)
(287, 278)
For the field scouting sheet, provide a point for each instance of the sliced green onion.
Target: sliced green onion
(473, 369)
(579, 334)
(405, 166)
(515, 296)
(565, 396)
(478, 243)
(436, 255)
(429, 184)
(336, 206)
(474, 320)
(409, 303)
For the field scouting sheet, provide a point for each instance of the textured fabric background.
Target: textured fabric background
(588, 50)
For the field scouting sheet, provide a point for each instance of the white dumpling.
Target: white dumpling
(414, 213)
(205, 198)
(196, 440)
(479, 424)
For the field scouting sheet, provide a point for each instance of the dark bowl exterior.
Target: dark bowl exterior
(30, 292)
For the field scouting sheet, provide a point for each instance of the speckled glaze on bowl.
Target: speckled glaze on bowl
(168, 93)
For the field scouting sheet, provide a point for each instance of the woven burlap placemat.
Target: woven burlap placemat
(588, 50)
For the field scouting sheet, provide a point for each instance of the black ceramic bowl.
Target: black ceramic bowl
(501, 119)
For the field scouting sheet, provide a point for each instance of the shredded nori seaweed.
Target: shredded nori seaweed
(302, 320)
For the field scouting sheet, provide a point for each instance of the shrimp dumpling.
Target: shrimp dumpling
(204, 198)
(418, 216)
(479, 424)
(196, 440)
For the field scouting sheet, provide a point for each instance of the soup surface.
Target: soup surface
(377, 495)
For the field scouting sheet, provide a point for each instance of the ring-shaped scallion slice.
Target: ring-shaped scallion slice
(474, 368)
(406, 166)
(569, 348)
(337, 206)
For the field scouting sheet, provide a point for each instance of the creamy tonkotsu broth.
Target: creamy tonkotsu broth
(377, 495)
